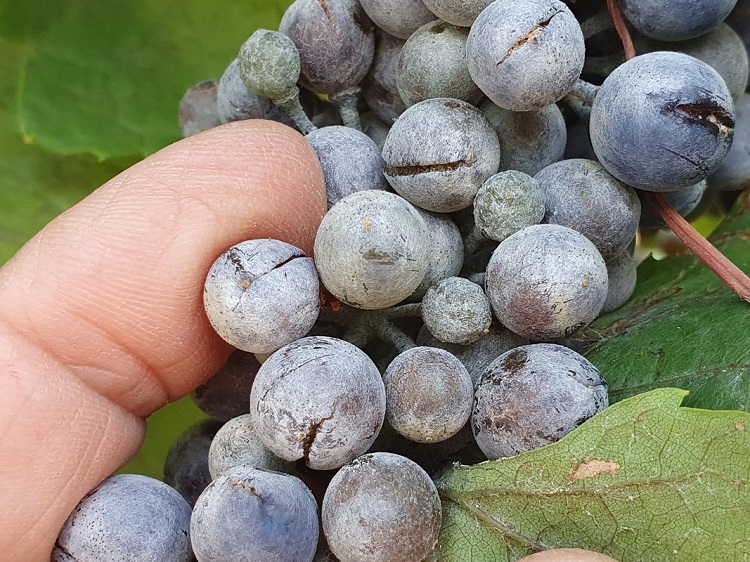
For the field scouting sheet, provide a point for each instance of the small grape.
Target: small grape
(235, 102)
(532, 396)
(546, 281)
(380, 508)
(270, 65)
(433, 65)
(186, 467)
(128, 517)
(372, 249)
(462, 13)
(506, 203)
(429, 394)
(456, 311)
(249, 514)
(351, 161)
(198, 109)
(525, 55)
(399, 18)
(439, 152)
(262, 294)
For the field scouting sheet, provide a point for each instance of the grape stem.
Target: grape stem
(346, 101)
(732, 276)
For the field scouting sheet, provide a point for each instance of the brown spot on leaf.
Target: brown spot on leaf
(594, 468)
(740, 426)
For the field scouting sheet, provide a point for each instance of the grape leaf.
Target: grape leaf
(106, 78)
(645, 480)
(35, 186)
(682, 328)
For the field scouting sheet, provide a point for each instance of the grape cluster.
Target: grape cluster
(483, 202)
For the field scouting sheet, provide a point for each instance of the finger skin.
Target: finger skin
(101, 314)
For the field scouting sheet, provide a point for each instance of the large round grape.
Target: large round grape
(372, 249)
(127, 518)
(546, 281)
(675, 20)
(662, 121)
(319, 398)
(525, 55)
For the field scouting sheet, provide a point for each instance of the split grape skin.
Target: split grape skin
(337, 147)
(546, 281)
(248, 514)
(127, 517)
(533, 396)
(433, 65)
(525, 56)
(662, 121)
(438, 153)
(429, 394)
(262, 294)
(320, 399)
(381, 507)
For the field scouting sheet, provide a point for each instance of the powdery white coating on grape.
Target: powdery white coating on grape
(622, 275)
(270, 64)
(439, 152)
(433, 65)
(684, 202)
(372, 249)
(675, 20)
(428, 394)
(462, 13)
(235, 102)
(446, 251)
(662, 121)
(546, 281)
(456, 311)
(198, 109)
(351, 161)
(478, 355)
(237, 443)
(533, 396)
(381, 507)
(127, 517)
(320, 399)
(399, 18)
(721, 49)
(249, 514)
(739, 20)
(186, 467)
(582, 195)
(262, 294)
(733, 173)
(379, 86)
(224, 395)
(525, 55)
(335, 40)
(506, 203)
(529, 140)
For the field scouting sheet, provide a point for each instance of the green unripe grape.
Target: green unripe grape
(270, 64)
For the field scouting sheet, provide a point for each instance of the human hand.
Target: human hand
(101, 314)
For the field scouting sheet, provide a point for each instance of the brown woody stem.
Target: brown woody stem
(622, 29)
(732, 276)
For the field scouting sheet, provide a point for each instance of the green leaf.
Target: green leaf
(106, 78)
(682, 328)
(645, 480)
(35, 186)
